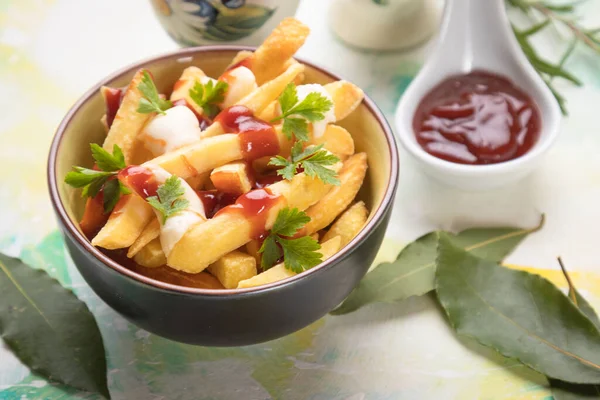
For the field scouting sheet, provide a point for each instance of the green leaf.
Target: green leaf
(520, 315)
(288, 98)
(208, 95)
(295, 115)
(297, 127)
(313, 160)
(270, 253)
(168, 201)
(151, 102)
(300, 254)
(49, 329)
(106, 161)
(413, 271)
(112, 193)
(289, 221)
(566, 390)
(81, 177)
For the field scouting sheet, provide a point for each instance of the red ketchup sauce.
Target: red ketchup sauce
(254, 206)
(112, 100)
(258, 137)
(477, 118)
(214, 201)
(202, 120)
(139, 179)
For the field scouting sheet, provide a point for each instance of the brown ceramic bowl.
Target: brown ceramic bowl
(220, 317)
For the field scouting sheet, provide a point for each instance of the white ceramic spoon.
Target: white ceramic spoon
(476, 35)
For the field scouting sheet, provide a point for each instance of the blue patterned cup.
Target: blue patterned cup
(202, 22)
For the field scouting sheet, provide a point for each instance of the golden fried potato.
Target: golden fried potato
(125, 224)
(337, 200)
(349, 223)
(232, 178)
(128, 122)
(233, 268)
(205, 243)
(337, 140)
(151, 231)
(346, 96)
(279, 272)
(151, 255)
(271, 56)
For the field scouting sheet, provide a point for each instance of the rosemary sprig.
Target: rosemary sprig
(557, 14)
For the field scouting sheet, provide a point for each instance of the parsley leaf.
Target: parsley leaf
(312, 108)
(93, 181)
(169, 201)
(106, 161)
(314, 160)
(270, 253)
(151, 102)
(299, 254)
(208, 95)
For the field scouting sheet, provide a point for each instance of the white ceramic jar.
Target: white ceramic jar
(384, 24)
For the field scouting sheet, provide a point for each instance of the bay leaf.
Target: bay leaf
(566, 390)
(413, 271)
(49, 329)
(520, 315)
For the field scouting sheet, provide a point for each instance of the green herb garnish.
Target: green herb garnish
(298, 254)
(151, 102)
(314, 160)
(208, 95)
(169, 201)
(295, 114)
(544, 14)
(92, 181)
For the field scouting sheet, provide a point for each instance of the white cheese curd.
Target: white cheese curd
(167, 132)
(318, 126)
(241, 83)
(178, 224)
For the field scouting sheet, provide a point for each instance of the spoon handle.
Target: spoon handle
(474, 30)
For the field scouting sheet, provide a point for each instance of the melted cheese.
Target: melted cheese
(241, 83)
(177, 225)
(167, 132)
(318, 127)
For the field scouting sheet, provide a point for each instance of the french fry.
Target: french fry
(279, 272)
(151, 231)
(201, 246)
(151, 255)
(233, 268)
(252, 248)
(349, 223)
(125, 225)
(337, 200)
(199, 181)
(271, 56)
(232, 178)
(128, 122)
(345, 97)
(181, 89)
(337, 140)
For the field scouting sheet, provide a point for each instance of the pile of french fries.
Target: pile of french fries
(222, 246)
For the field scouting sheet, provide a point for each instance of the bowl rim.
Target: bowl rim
(69, 226)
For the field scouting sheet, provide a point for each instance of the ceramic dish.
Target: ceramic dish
(220, 317)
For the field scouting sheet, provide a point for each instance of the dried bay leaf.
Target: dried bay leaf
(49, 329)
(518, 314)
(413, 271)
